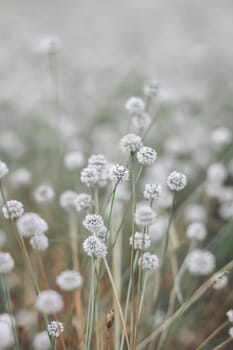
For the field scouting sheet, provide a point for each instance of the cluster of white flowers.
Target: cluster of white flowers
(55, 329)
(118, 173)
(39, 242)
(41, 341)
(3, 169)
(141, 241)
(158, 230)
(176, 181)
(44, 193)
(6, 335)
(69, 280)
(30, 224)
(146, 155)
(144, 215)
(13, 209)
(152, 191)
(135, 106)
(49, 302)
(93, 223)
(67, 200)
(94, 247)
(131, 143)
(21, 178)
(200, 262)
(196, 230)
(149, 261)
(96, 173)
(220, 281)
(7, 263)
(74, 160)
(83, 201)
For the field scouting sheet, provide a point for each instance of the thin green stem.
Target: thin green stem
(222, 345)
(168, 229)
(212, 335)
(90, 316)
(144, 284)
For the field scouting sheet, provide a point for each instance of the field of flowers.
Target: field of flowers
(116, 175)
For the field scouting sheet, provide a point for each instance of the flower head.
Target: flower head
(141, 240)
(3, 169)
(200, 262)
(6, 335)
(21, 177)
(83, 201)
(176, 181)
(229, 315)
(44, 193)
(93, 223)
(49, 302)
(41, 341)
(74, 160)
(55, 329)
(7, 263)
(13, 209)
(119, 173)
(69, 280)
(30, 224)
(146, 155)
(135, 106)
(39, 242)
(67, 200)
(152, 191)
(94, 247)
(196, 230)
(144, 215)
(151, 90)
(131, 143)
(89, 176)
(149, 261)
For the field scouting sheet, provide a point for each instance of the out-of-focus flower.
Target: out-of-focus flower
(158, 230)
(195, 212)
(200, 262)
(135, 106)
(97, 161)
(67, 200)
(21, 178)
(151, 90)
(94, 247)
(196, 230)
(55, 328)
(176, 181)
(220, 281)
(13, 209)
(74, 160)
(69, 280)
(216, 173)
(6, 336)
(221, 136)
(30, 224)
(144, 215)
(229, 315)
(50, 44)
(89, 176)
(44, 193)
(149, 261)
(141, 240)
(152, 191)
(3, 169)
(118, 173)
(7, 263)
(130, 143)
(83, 201)
(41, 341)
(142, 121)
(93, 223)
(49, 302)
(146, 155)
(39, 242)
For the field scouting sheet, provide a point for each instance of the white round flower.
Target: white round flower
(6, 336)
(231, 332)
(10, 320)
(49, 302)
(144, 215)
(196, 230)
(31, 224)
(135, 106)
(176, 181)
(7, 263)
(130, 143)
(149, 261)
(118, 173)
(83, 201)
(221, 136)
(74, 160)
(67, 200)
(142, 241)
(151, 90)
(97, 161)
(21, 178)
(217, 173)
(146, 155)
(26, 317)
(13, 209)
(41, 341)
(220, 281)
(94, 247)
(3, 238)
(69, 280)
(89, 176)
(158, 230)
(93, 223)
(3, 169)
(142, 121)
(39, 242)
(44, 193)
(200, 262)
(55, 329)
(152, 191)
(195, 212)
(229, 315)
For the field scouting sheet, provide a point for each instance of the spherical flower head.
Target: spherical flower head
(221, 136)
(101, 233)
(97, 161)
(196, 230)
(83, 201)
(229, 315)
(13, 209)
(89, 176)
(44, 193)
(6, 335)
(176, 181)
(220, 281)
(231, 332)
(142, 241)
(39, 242)
(131, 143)
(144, 215)
(146, 155)
(217, 173)
(7, 263)
(152, 89)
(149, 261)
(10, 320)
(93, 223)
(55, 329)
(135, 106)
(152, 191)
(3, 169)
(41, 341)
(94, 247)
(67, 200)
(49, 302)
(158, 230)
(142, 121)
(118, 173)
(74, 160)
(69, 280)
(21, 178)
(30, 224)
(3, 238)
(200, 262)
